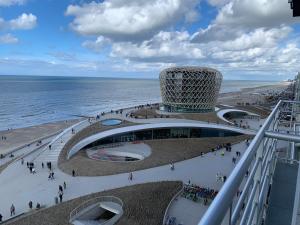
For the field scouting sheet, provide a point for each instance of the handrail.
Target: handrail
(171, 202)
(263, 150)
(217, 210)
(92, 201)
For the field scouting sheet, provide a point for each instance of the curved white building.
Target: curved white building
(190, 89)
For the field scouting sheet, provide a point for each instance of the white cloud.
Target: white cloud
(255, 13)
(164, 47)
(96, 45)
(8, 39)
(121, 19)
(260, 37)
(11, 2)
(242, 16)
(23, 22)
(246, 35)
(218, 2)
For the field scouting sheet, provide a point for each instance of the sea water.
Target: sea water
(31, 100)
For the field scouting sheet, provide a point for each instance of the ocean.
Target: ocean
(32, 100)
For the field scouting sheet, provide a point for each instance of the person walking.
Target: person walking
(12, 210)
(130, 176)
(30, 205)
(42, 165)
(60, 195)
(172, 166)
(73, 173)
(233, 160)
(65, 185)
(60, 188)
(1, 217)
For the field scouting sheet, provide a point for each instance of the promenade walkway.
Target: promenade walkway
(37, 187)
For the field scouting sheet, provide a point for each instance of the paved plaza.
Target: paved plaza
(19, 186)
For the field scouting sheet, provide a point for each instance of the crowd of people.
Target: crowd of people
(198, 194)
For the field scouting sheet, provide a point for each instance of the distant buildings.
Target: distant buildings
(190, 89)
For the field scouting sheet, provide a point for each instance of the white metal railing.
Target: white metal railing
(257, 166)
(165, 219)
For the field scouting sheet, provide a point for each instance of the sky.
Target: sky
(243, 39)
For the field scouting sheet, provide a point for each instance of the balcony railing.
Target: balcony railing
(253, 174)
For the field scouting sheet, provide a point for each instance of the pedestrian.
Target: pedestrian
(60, 195)
(233, 160)
(38, 205)
(30, 205)
(217, 177)
(172, 166)
(22, 161)
(1, 217)
(65, 185)
(52, 175)
(60, 188)
(247, 173)
(50, 147)
(42, 165)
(12, 210)
(130, 177)
(73, 173)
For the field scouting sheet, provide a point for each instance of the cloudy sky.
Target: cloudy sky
(244, 39)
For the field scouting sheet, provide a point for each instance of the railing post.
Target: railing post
(262, 149)
(230, 214)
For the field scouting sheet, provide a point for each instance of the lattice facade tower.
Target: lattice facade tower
(190, 89)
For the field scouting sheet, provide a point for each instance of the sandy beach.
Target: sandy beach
(17, 138)
(251, 95)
